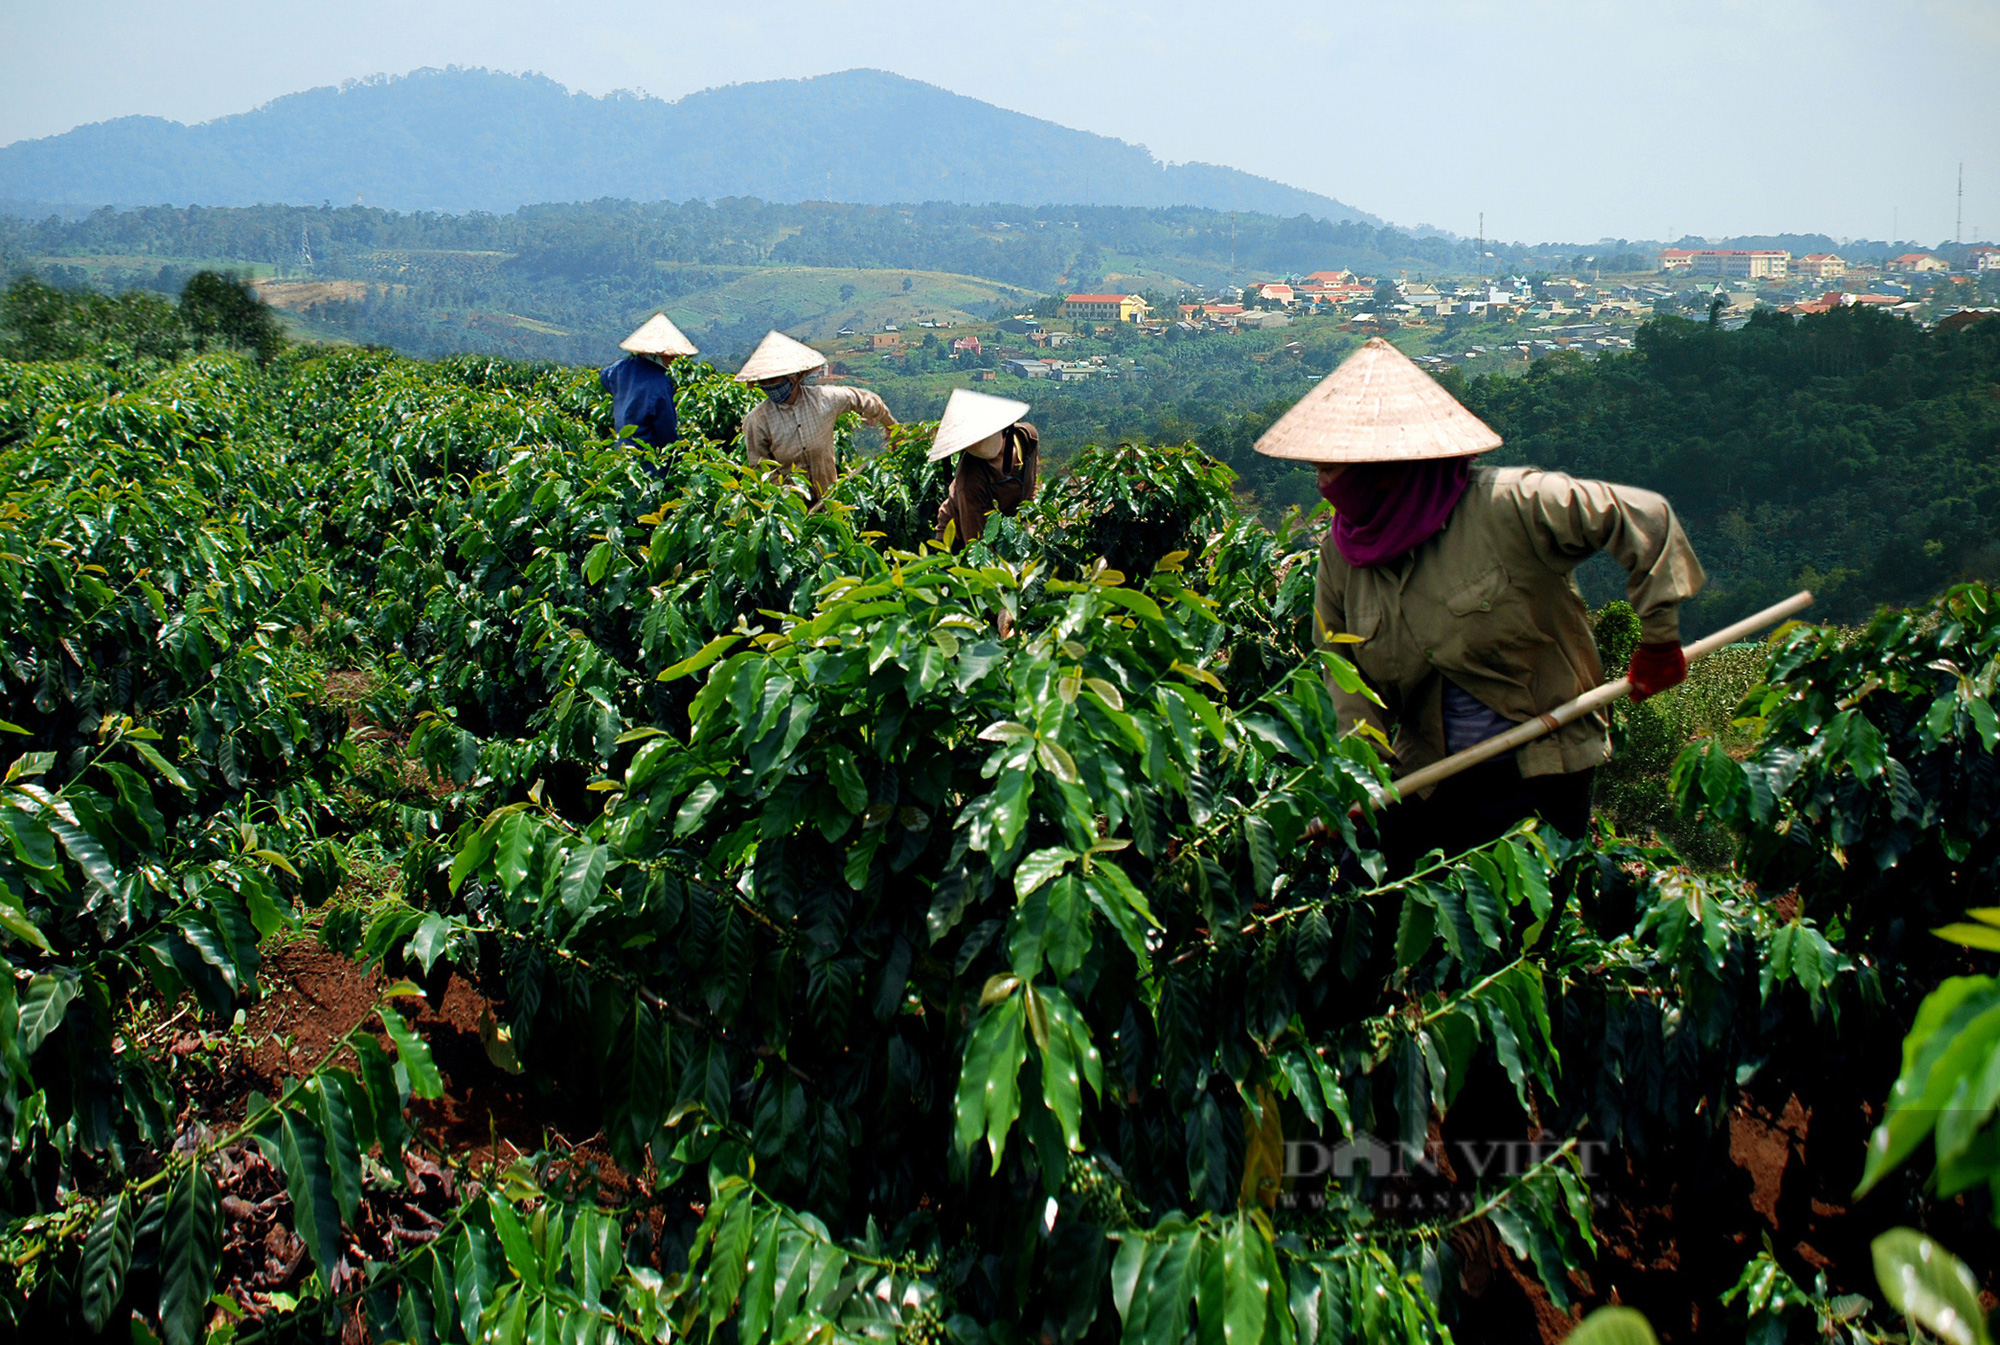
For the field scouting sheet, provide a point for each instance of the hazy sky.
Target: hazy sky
(1573, 120)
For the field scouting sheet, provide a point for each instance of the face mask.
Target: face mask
(780, 392)
(988, 448)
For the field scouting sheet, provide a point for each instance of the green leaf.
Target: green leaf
(696, 806)
(1245, 1285)
(516, 846)
(728, 1261)
(1068, 1061)
(14, 919)
(595, 1254)
(34, 844)
(1972, 936)
(1057, 761)
(42, 1008)
(760, 1284)
(415, 1055)
(989, 1098)
(1038, 867)
(1613, 1326)
(515, 1244)
(167, 770)
(1925, 1282)
(701, 658)
(343, 1151)
(583, 877)
(315, 1210)
(190, 1252)
(472, 1281)
(88, 854)
(107, 1255)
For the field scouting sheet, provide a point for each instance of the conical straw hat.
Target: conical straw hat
(657, 336)
(776, 356)
(971, 416)
(1377, 407)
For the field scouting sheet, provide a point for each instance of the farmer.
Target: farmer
(1454, 582)
(793, 425)
(641, 386)
(999, 458)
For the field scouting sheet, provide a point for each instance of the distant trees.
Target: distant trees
(1386, 294)
(223, 310)
(216, 311)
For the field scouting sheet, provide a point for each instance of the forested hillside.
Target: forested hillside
(434, 140)
(649, 252)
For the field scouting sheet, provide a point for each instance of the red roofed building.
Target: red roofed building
(1105, 307)
(966, 345)
(1742, 263)
(1919, 261)
(1819, 266)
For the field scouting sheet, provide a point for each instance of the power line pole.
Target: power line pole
(1958, 230)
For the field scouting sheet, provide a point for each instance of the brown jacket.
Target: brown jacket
(1489, 602)
(800, 434)
(981, 486)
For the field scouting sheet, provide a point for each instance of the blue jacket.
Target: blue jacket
(642, 395)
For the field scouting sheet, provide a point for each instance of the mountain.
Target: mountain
(459, 140)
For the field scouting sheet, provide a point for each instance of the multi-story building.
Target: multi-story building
(1740, 263)
(1105, 307)
(1819, 266)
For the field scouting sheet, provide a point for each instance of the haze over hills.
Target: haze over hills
(460, 140)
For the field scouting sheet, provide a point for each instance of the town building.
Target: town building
(884, 340)
(1919, 261)
(1982, 258)
(966, 345)
(1105, 307)
(1740, 263)
(1819, 266)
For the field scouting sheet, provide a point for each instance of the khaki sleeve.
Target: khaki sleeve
(863, 403)
(1569, 519)
(1329, 620)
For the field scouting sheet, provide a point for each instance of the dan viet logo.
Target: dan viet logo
(1430, 1176)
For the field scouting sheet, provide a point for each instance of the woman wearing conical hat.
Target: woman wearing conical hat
(642, 390)
(793, 425)
(999, 460)
(1455, 578)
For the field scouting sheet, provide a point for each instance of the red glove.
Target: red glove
(1655, 667)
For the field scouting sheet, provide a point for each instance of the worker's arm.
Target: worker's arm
(1569, 518)
(863, 403)
(1329, 620)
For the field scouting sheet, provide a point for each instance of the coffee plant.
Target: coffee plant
(942, 942)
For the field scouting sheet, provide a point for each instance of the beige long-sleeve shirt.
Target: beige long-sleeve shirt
(1490, 602)
(800, 433)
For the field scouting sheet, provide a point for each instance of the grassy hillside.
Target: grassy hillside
(814, 302)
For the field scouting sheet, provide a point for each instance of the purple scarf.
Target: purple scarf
(1384, 510)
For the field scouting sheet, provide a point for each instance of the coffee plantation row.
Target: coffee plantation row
(925, 983)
